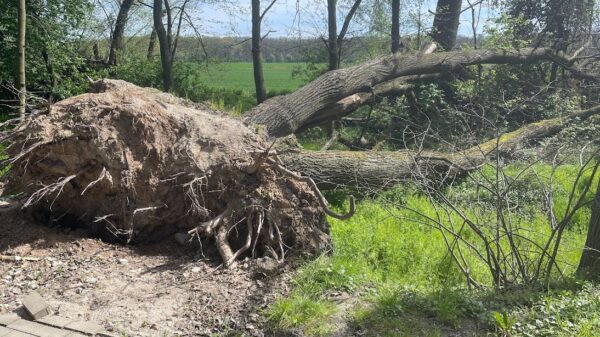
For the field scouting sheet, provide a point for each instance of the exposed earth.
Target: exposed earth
(151, 290)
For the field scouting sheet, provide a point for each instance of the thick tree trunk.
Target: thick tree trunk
(309, 105)
(589, 265)
(375, 170)
(259, 79)
(164, 41)
(332, 47)
(21, 52)
(116, 44)
(395, 26)
(445, 23)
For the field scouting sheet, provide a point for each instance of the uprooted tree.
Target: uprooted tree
(139, 164)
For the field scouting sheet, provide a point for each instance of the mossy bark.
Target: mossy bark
(375, 169)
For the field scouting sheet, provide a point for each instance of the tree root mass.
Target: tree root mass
(140, 165)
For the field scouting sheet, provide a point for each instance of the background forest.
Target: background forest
(502, 243)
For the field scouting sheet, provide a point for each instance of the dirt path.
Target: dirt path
(158, 290)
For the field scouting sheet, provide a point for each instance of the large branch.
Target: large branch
(373, 169)
(284, 115)
(348, 105)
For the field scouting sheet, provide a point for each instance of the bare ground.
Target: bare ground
(152, 290)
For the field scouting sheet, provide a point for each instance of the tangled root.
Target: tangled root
(220, 226)
(135, 165)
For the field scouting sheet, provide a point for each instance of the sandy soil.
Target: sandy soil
(152, 290)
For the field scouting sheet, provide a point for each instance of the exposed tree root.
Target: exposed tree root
(134, 164)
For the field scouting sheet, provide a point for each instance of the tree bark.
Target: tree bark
(96, 51)
(21, 52)
(309, 105)
(332, 48)
(335, 40)
(51, 73)
(395, 26)
(116, 44)
(589, 265)
(259, 79)
(151, 44)
(445, 23)
(373, 170)
(164, 42)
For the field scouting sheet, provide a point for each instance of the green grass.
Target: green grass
(227, 86)
(399, 266)
(239, 76)
(230, 86)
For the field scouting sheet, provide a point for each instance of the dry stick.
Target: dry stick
(464, 269)
(16, 258)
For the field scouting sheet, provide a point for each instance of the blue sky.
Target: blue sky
(306, 18)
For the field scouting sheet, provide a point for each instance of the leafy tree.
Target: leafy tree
(54, 69)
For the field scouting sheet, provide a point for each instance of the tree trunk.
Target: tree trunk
(259, 80)
(164, 41)
(116, 44)
(96, 51)
(372, 170)
(445, 23)
(51, 73)
(589, 265)
(345, 26)
(309, 105)
(21, 52)
(151, 44)
(395, 26)
(332, 47)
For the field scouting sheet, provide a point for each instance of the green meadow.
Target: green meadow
(239, 76)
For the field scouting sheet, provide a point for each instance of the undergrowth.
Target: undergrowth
(407, 285)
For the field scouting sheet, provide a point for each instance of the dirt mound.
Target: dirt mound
(136, 164)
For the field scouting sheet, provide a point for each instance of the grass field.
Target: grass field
(230, 86)
(239, 76)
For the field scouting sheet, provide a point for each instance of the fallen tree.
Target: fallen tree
(139, 165)
(337, 93)
(379, 169)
